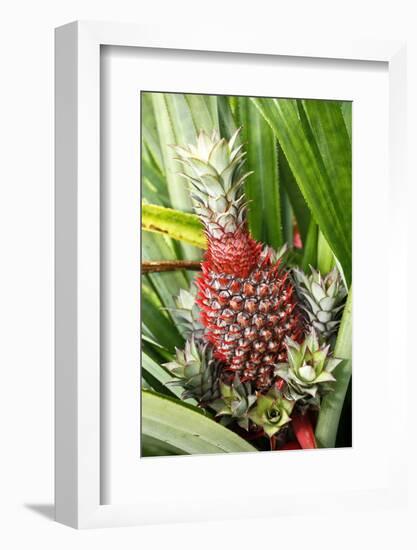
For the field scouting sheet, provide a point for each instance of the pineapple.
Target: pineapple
(248, 304)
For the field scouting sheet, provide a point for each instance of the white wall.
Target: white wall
(26, 273)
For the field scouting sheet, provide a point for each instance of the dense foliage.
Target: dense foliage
(299, 192)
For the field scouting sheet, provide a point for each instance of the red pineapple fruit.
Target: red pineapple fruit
(248, 304)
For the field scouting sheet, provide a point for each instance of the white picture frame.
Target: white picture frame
(79, 410)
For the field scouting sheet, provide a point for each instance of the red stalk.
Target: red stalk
(290, 446)
(303, 431)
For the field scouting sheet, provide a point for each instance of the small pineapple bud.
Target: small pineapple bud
(323, 299)
(272, 412)
(187, 314)
(235, 401)
(197, 372)
(308, 368)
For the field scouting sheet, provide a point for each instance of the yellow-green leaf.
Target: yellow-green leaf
(173, 223)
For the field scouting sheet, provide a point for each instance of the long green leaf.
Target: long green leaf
(156, 447)
(227, 122)
(310, 247)
(158, 322)
(287, 217)
(184, 428)
(328, 199)
(179, 118)
(156, 352)
(346, 108)
(332, 138)
(154, 189)
(289, 185)
(151, 149)
(166, 285)
(203, 111)
(332, 404)
(173, 223)
(262, 186)
(325, 256)
(158, 378)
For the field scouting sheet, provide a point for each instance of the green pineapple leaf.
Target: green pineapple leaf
(331, 406)
(315, 142)
(310, 247)
(156, 323)
(159, 378)
(173, 223)
(292, 192)
(262, 186)
(185, 428)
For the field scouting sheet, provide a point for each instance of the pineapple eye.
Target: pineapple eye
(224, 297)
(248, 289)
(264, 306)
(259, 346)
(235, 287)
(265, 334)
(258, 321)
(236, 303)
(251, 305)
(227, 315)
(273, 345)
(262, 290)
(243, 319)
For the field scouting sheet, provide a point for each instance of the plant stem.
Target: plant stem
(169, 265)
(331, 406)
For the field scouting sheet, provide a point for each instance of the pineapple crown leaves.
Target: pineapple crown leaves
(272, 411)
(235, 401)
(196, 371)
(322, 298)
(308, 368)
(213, 170)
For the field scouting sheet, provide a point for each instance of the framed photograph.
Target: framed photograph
(229, 218)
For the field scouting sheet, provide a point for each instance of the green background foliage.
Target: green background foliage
(300, 155)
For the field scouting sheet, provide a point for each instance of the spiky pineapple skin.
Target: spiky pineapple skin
(248, 317)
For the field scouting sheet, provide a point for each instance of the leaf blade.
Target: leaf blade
(262, 186)
(173, 223)
(326, 199)
(185, 428)
(332, 404)
(152, 372)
